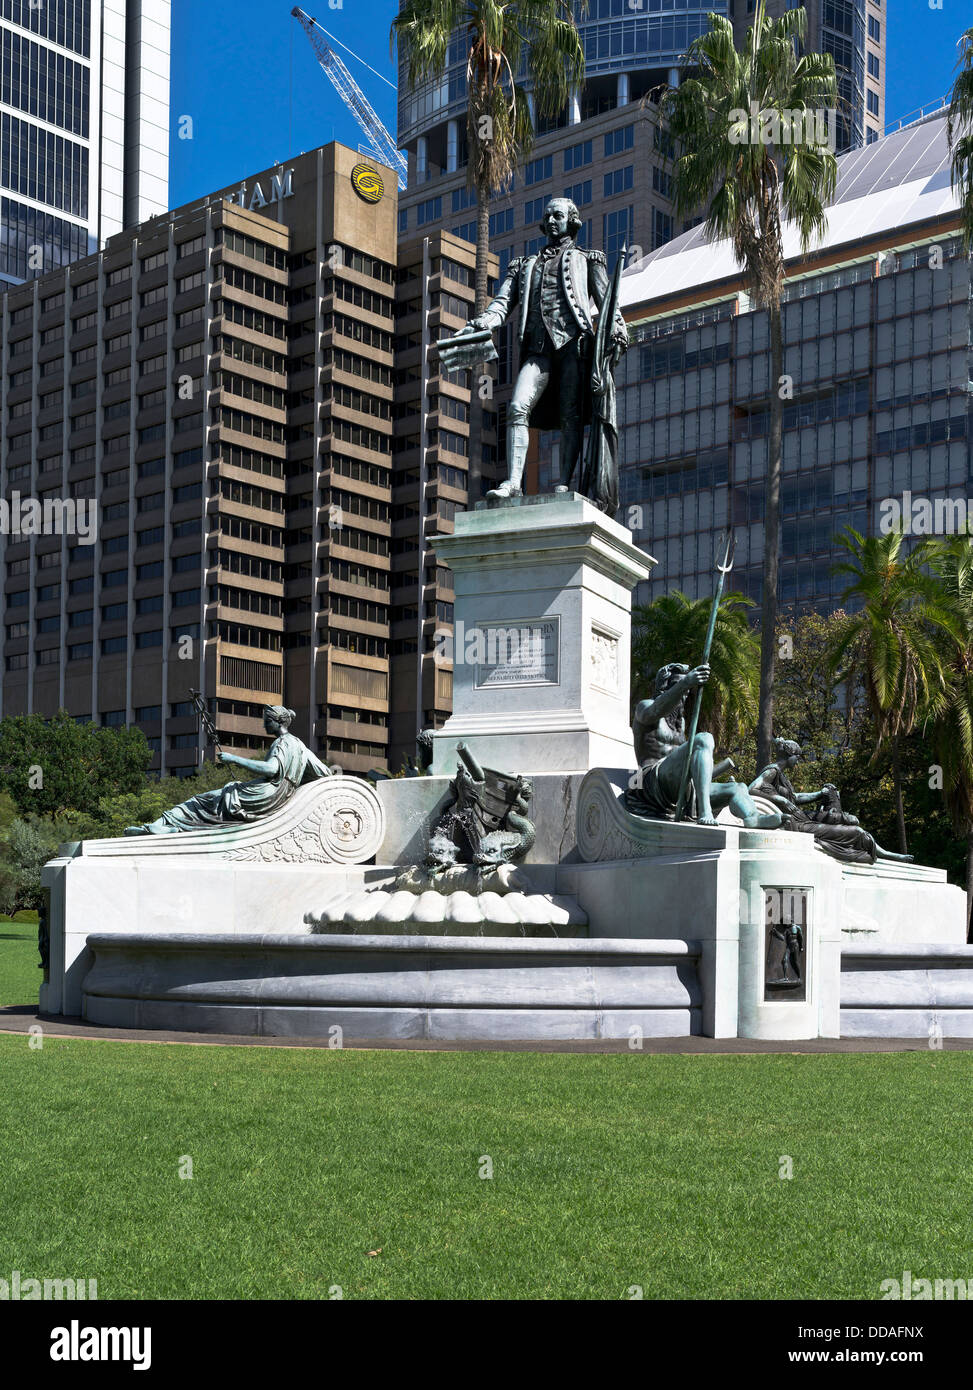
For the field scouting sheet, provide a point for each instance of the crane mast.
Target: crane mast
(353, 97)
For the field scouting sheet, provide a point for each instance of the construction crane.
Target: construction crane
(352, 95)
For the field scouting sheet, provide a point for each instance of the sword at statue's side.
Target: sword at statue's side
(724, 570)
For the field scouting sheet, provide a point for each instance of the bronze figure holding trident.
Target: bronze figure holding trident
(675, 770)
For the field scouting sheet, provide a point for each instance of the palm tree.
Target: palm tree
(749, 127)
(951, 561)
(891, 644)
(959, 132)
(536, 41)
(673, 628)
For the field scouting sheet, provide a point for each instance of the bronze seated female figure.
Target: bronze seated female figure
(288, 763)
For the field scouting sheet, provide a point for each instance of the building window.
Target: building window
(501, 222)
(618, 230)
(579, 193)
(429, 211)
(41, 165)
(872, 101)
(661, 228)
(618, 141)
(874, 29)
(539, 169)
(577, 156)
(619, 181)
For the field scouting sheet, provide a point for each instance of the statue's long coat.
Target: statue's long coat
(584, 284)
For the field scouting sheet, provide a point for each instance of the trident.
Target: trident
(724, 570)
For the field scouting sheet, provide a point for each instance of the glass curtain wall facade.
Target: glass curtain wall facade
(880, 353)
(84, 114)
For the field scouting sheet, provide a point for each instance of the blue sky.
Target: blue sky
(245, 72)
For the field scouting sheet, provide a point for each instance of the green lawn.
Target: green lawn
(20, 979)
(608, 1172)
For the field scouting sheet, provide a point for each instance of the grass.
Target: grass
(20, 978)
(317, 1168)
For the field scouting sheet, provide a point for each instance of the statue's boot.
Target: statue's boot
(518, 438)
(570, 458)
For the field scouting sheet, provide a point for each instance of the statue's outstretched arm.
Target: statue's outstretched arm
(503, 302)
(266, 768)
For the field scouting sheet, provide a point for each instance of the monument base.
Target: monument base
(541, 644)
(451, 988)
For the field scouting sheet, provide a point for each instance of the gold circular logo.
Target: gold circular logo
(367, 182)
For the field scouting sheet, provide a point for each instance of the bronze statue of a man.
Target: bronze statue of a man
(554, 295)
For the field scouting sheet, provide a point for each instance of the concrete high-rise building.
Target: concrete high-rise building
(430, 478)
(221, 385)
(84, 126)
(878, 329)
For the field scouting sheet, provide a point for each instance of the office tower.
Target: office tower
(430, 478)
(84, 126)
(853, 32)
(218, 384)
(877, 333)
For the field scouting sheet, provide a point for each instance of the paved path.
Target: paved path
(21, 1018)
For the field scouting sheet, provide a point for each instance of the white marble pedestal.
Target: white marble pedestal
(541, 647)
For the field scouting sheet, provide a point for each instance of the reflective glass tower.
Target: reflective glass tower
(84, 116)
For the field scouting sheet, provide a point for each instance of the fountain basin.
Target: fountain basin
(374, 986)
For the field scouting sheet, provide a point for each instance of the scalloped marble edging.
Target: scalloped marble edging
(401, 912)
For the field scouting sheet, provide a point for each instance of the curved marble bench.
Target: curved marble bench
(245, 878)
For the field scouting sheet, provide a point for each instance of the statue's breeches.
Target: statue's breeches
(557, 375)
